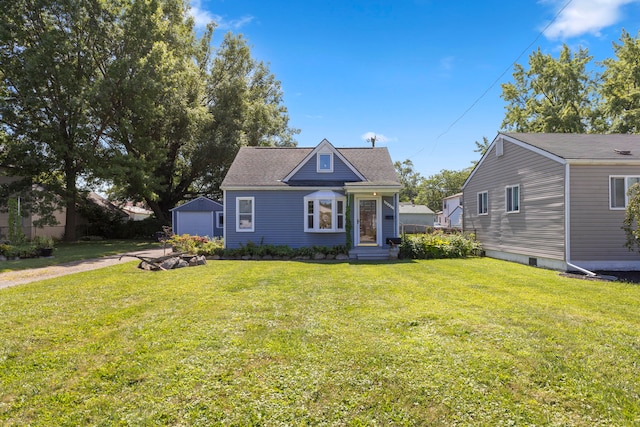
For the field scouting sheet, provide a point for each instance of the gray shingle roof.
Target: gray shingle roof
(570, 146)
(267, 166)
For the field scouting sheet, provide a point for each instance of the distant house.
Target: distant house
(136, 212)
(415, 218)
(451, 216)
(27, 218)
(198, 217)
(554, 200)
(303, 197)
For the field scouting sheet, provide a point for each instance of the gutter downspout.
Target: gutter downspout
(583, 270)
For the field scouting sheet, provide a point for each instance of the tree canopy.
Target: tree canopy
(125, 92)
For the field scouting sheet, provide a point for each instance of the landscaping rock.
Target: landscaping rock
(342, 257)
(170, 263)
(319, 256)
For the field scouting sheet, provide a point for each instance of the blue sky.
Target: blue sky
(422, 75)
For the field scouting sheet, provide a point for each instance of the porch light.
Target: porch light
(375, 194)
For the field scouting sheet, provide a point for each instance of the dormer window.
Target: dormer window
(325, 162)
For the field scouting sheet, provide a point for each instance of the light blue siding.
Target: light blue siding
(341, 172)
(388, 220)
(201, 204)
(279, 220)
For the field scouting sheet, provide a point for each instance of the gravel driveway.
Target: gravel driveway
(20, 277)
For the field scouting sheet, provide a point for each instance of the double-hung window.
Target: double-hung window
(324, 212)
(512, 195)
(483, 203)
(618, 189)
(245, 214)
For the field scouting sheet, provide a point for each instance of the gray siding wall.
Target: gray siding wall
(341, 172)
(419, 219)
(279, 220)
(595, 229)
(538, 229)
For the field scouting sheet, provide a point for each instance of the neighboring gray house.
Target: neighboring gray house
(554, 200)
(302, 197)
(198, 217)
(415, 218)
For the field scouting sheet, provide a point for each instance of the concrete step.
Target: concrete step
(369, 253)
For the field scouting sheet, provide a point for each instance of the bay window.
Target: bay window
(324, 212)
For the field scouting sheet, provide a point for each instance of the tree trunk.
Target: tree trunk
(71, 196)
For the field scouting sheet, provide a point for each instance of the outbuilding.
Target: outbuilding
(198, 217)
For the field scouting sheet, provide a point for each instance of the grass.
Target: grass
(438, 342)
(68, 252)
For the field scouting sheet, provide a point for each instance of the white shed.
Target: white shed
(198, 217)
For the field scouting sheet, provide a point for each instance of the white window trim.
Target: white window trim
(486, 207)
(315, 197)
(324, 153)
(253, 215)
(506, 198)
(219, 215)
(626, 189)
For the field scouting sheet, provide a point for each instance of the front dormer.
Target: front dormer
(324, 163)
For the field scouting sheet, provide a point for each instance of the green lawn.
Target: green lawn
(68, 252)
(440, 342)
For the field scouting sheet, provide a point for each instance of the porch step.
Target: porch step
(366, 253)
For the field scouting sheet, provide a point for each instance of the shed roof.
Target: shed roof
(268, 166)
(571, 146)
(410, 208)
(200, 204)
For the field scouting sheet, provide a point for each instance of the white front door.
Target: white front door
(368, 221)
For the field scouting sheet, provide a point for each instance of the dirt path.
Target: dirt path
(20, 277)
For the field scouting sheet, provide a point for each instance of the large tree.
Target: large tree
(410, 180)
(436, 187)
(192, 110)
(154, 92)
(553, 95)
(49, 66)
(620, 88)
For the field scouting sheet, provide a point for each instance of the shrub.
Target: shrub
(438, 245)
(194, 244)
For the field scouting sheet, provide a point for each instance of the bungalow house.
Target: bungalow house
(302, 197)
(198, 217)
(554, 200)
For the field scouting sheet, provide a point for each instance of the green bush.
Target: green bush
(194, 244)
(438, 245)
(205, 246)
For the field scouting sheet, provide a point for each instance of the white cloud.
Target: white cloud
(380, 139)
(585, 16)
(202, 17)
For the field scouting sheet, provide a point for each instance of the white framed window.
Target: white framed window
(245, 214)
(618, 189)
(512, 195)
(324, 212)
(325, 162)
(219, 219)
(483, 203)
